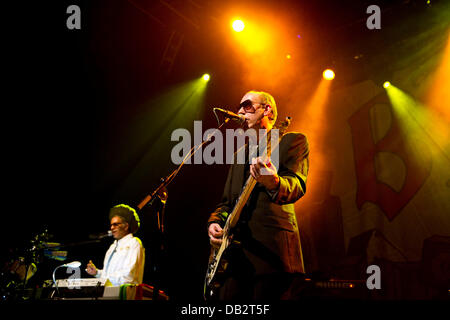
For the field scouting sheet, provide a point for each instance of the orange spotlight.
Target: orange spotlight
(437, 91)
(328, 74)
(315, 110)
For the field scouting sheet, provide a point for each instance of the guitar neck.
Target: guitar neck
(234, 216)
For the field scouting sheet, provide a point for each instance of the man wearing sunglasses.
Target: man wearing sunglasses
(125, 258)
(266, 253)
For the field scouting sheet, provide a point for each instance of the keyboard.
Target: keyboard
(83, 282)
(85, 288)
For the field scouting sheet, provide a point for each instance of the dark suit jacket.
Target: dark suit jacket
(267, 229)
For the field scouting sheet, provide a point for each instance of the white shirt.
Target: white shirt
(124, 262)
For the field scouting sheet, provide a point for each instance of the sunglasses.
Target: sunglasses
(116, 224)
(248, 106)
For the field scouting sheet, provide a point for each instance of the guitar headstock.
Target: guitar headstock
(283, 125)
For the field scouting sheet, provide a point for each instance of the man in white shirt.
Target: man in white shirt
(125, 258)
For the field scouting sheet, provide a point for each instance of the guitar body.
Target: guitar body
(214, 281)
(217, 263)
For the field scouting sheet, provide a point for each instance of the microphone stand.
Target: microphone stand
(159, 257)
(81, 243)
(167, 180)
(161, 192)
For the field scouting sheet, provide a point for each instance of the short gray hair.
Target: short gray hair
(268, 100)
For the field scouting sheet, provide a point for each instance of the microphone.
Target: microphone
(239, 118)
(101, 235)
(73, 264)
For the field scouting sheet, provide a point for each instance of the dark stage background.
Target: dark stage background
(89, 112)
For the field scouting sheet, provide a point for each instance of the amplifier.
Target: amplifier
(331, 288)
(338, 284)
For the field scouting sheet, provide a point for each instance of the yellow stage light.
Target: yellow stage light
(386, 84)
(238, 25)
(328, 74)
(206, 77)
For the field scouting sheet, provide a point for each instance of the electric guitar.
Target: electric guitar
(216, 264)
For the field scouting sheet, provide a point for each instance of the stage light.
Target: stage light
(328, 74)
(238, 25)
(206, 77)
(386, 84)
(288, 56)
(417, 120)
